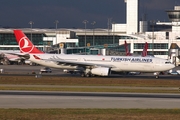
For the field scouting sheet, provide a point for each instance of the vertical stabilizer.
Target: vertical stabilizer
(126, 48)
(25, 45)
(144, 52)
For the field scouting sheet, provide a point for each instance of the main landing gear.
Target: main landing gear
(86, 74)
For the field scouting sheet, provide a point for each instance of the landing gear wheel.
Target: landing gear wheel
(82, 75)
(87, 75)
(92, 75)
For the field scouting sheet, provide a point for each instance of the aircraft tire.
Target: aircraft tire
(82, 75)
(88, 75)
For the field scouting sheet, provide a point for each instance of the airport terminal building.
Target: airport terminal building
(159, 35)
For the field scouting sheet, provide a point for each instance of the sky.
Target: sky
(72, 13)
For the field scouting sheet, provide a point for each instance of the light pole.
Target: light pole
(31, 23)
(109, 23)
(113, 31)
(85, 22)
(56, 22)
(153, 36)
(93, 23)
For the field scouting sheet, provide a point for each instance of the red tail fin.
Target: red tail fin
(126, 48)
(25, 45)
(144, 52)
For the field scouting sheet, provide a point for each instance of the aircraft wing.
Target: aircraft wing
(79, 63)
(21, 55)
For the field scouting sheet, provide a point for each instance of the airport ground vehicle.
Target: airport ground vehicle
(46, 70)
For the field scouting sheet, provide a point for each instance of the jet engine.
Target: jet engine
(101, 71)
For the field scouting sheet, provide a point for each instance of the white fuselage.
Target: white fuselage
(117, 63)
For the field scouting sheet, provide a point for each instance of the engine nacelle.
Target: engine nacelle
(101, 71)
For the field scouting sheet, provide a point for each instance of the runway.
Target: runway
(26, 70)
(33, 99)
(37, 99)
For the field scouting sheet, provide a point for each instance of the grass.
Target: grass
(90, 89)
(94, 81)
(60, 84)
(90, 114)
(47, 83)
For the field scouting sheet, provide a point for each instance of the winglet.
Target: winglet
(25, 45)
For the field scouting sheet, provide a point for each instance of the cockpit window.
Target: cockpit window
(167, 62)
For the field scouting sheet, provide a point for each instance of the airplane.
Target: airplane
(90, 65)
(10, 57)
(144, 52)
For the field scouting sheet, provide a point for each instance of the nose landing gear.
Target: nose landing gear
(156, 74)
